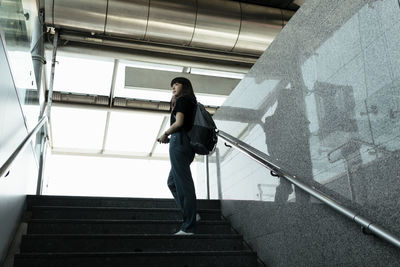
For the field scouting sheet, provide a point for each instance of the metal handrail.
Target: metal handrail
(261, 158)
(358, 141)
(6, 166)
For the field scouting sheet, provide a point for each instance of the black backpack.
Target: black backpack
(203, 134)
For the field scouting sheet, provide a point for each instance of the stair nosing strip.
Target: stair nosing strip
(119, 208)
(205, 253)
(120, 221)
(35, 197)
(138, 236)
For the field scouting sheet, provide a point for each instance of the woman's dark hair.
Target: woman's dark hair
(172, 103)
(187, 88)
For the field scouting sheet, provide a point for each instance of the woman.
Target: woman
(180, 180)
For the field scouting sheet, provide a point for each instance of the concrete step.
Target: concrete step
(62, 212)
(130, 243)
(71, 226)
(34, 200)
(148, 259)
(68, 231)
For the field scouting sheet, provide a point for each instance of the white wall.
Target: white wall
(23, 173)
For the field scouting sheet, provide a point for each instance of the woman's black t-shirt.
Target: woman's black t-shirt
(186, 106)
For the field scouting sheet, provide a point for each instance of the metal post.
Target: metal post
(45, 131)
(207, 174)
(53, 66)
(38, 60)
(42, 161)
(37, 50)
(218, 163)
(110, 104)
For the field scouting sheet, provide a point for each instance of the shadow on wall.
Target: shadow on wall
(287, 139)
(286, 136)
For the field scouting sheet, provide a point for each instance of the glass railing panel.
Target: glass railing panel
(17, 21)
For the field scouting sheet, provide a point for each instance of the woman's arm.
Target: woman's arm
(173, 128)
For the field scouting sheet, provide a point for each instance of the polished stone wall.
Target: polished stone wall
(323, 102)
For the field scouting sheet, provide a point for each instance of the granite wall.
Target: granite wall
(324, 103)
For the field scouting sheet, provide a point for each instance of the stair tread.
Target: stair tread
(148, 236)
(68, 254)
(126, 230)
(113, 198)
(119, 208)
(34, 200)
(61, 228)
(119, 221)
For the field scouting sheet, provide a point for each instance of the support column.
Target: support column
(46, 133)
(207, 175)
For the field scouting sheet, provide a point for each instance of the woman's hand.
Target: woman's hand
(163, 139)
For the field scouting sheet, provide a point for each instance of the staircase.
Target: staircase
(98, 231)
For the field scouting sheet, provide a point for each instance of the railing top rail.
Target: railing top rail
(6, 166)
(262, 159)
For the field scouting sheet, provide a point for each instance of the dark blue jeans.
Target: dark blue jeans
(180, 180)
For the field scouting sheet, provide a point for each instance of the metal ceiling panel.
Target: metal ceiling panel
(228, 26)
(48, 10)
(217, 25)
(260, 25)
(89, 15)
(127, 18)
(171, 21)
(170, 58)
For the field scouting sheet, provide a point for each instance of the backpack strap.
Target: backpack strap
(182, 131)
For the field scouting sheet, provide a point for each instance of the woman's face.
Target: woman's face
(177, 89)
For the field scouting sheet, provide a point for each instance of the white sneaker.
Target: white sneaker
(180, 232)
(198, 218)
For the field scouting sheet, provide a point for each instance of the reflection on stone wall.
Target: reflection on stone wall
(327, 106)
(324, 103)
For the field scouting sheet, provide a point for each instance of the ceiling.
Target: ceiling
(106, 101)
(95, 113)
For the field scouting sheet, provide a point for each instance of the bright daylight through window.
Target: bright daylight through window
(106, 151)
